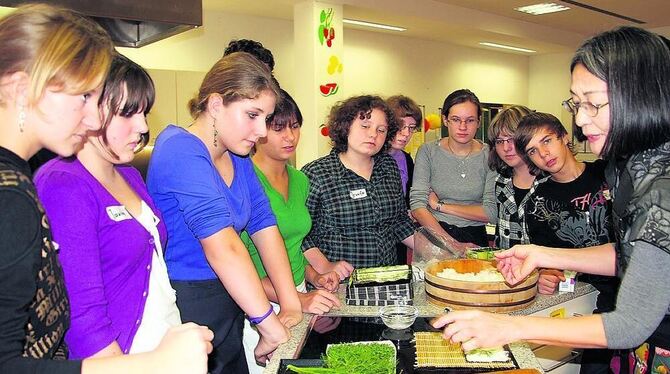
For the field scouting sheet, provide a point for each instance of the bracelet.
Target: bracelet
(257, 320)
(438, 207)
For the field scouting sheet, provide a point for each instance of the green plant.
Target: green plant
(348, 358)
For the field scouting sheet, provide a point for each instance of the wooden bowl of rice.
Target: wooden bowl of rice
(476, 284)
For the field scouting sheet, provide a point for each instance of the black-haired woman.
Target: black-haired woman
(620, 95)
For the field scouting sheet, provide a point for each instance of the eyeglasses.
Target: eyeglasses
(500, 141)
(468, 121)
(411, 128)
(590, 109)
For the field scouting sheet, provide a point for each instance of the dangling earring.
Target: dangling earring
(216, 135)
(22, 118)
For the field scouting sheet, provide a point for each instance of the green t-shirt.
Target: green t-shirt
(293, 221)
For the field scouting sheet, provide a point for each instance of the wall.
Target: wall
(549, 85)
(380, 63)
(428, 71)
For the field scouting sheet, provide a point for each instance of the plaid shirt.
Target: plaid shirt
(511, 228)
(354, 219)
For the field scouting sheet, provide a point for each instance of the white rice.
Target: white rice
(486, 275)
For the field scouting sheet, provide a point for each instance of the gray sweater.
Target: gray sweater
(455, 180)
(643, 298)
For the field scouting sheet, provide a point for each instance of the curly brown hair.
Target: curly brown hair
(343, 114)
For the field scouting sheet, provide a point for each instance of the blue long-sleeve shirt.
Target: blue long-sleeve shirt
(196, 202)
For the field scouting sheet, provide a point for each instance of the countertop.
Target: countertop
(522, 353)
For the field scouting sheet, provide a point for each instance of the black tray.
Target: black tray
(302, 363)
(352, 329)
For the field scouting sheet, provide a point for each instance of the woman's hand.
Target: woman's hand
(318, 301)
(342, 268)
(477, 329)
(329, 281)
(184, 349)
(517, 263)
(272, 333)
(549, 280)
(290, 317)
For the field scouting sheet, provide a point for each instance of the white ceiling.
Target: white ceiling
(468, 22)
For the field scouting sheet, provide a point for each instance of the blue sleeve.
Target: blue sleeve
(261, 211)
(181, 169)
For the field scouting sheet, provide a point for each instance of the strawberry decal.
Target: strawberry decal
(326, 33)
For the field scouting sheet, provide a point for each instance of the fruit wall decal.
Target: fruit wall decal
(325, 131)
(329, 89)
(334, 65)
(326, 33)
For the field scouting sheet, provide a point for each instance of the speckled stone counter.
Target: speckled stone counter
(522, 353)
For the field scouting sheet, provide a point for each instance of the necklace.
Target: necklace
(461, 167)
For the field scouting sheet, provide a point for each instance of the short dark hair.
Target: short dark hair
(505, 122)
(286, 111)
(458, 97)
(252, 47)
(343, 114)
(140, 94)
(635, 64)
(403, 107)
(528, 126)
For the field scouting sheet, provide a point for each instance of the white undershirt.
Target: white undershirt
(160, 308)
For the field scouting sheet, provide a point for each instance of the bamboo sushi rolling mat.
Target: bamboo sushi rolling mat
(433, 351)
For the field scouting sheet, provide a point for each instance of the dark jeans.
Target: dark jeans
(468, 234)
(208, 303)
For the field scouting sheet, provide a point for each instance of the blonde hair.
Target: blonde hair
(505, 122)
(56, 47)
(236, 76)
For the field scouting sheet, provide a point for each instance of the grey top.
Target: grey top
(456, 180)
(643, 298)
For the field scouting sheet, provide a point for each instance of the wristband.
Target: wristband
(257, 320)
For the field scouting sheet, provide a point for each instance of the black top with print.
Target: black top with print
(34, 309)
(576, 214)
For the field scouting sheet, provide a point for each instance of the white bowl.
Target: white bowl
(398, 317)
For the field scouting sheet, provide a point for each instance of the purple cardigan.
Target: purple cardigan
(105, 254)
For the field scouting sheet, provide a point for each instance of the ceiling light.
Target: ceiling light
(494, 45)
(543, 8)
(372, 24)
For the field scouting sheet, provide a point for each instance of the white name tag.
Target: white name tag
(358, 194)
(118, 213)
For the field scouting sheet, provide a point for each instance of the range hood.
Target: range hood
(134, 23)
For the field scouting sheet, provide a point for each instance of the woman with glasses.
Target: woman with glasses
(409, 115)
(627, 69)
(456, 169)
(515, 184)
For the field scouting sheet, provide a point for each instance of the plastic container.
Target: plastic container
(482, 253)
(398, 317)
